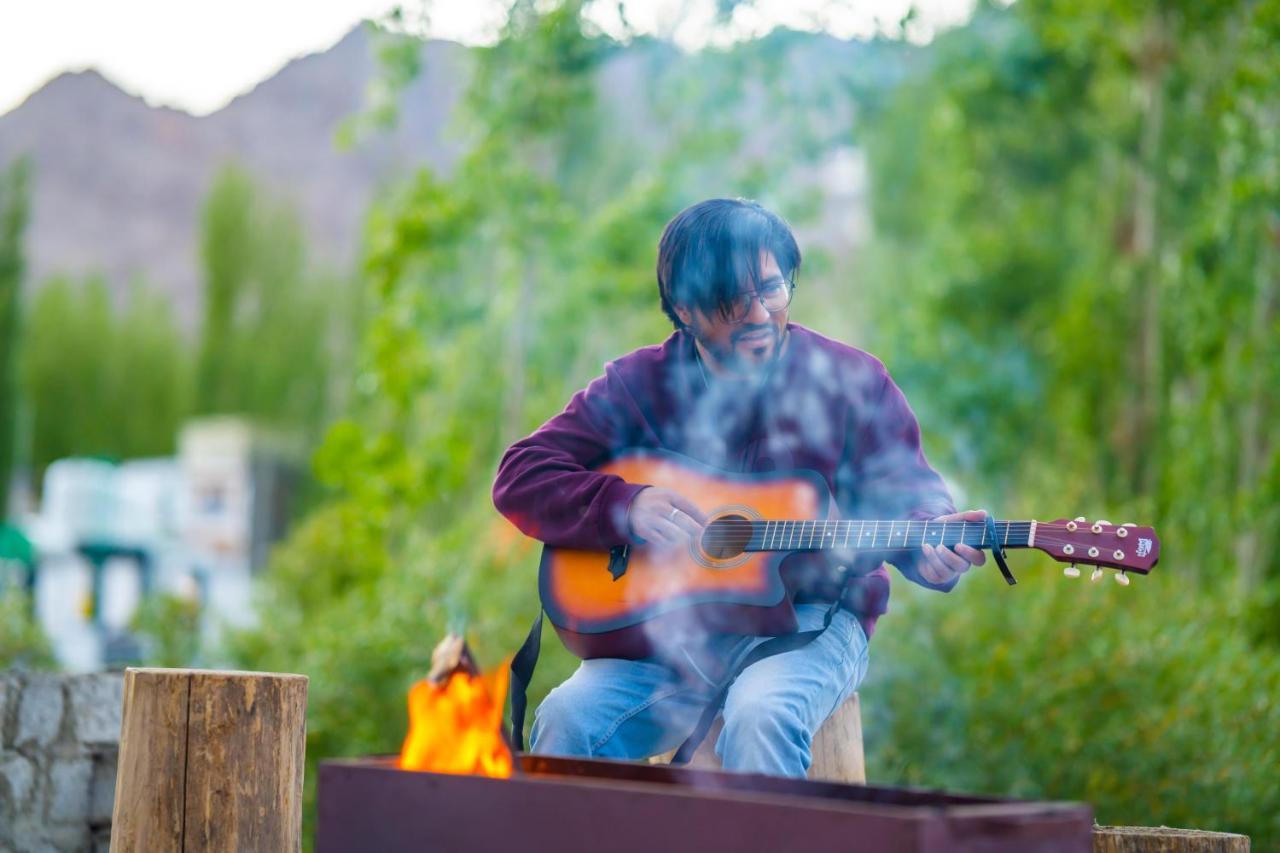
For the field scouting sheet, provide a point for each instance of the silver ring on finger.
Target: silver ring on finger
(674, 513)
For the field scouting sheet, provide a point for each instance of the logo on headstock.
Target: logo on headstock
(1144, 547)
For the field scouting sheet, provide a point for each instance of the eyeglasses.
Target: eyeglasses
(775, 295)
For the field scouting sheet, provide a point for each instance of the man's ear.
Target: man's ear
(684, 314)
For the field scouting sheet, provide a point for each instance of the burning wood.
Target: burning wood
(455, 716)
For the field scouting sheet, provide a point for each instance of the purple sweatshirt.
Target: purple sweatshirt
(823, 406)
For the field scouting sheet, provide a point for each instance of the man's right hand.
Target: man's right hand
(664, 519)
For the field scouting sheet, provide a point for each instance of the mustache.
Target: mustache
(752, 330)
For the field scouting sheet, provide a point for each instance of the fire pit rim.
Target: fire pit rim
(985, 805)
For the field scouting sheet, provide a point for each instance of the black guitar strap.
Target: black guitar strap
(522, 666)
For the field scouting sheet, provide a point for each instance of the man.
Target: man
(740, 388)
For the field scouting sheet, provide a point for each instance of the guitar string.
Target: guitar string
(739, 528)
(1045, 537)
(815, 537)
(1047, 540)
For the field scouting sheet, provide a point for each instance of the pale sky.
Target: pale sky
(197, 56)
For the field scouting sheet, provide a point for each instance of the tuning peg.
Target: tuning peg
(1080, 518)
(1096, 576)
(1071, 571)
(1122, 579)
(1103, 521)
(1128, 524)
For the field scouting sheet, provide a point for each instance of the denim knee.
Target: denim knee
(765, 736)
(561, 725)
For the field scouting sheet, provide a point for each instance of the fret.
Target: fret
(881, 534)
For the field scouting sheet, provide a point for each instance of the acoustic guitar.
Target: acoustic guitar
(611, 604)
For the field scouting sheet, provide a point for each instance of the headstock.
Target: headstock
(1126, 547)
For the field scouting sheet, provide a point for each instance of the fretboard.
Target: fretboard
(882, 535)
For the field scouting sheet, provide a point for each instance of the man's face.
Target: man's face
(745, 348)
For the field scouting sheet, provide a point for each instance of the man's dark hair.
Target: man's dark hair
(711, 251)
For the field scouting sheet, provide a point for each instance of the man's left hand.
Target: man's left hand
(942, 564)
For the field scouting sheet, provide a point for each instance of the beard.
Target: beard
(750, 350)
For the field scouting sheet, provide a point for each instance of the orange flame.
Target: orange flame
(456, 727)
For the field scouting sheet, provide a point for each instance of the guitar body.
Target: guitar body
(664, 597)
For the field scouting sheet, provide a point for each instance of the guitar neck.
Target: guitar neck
(867, 535)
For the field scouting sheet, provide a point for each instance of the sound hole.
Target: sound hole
(726, 537)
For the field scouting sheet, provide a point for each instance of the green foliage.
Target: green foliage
(1077, 209)
(117, 378)
(102, 381)
(1075, 205)
(267, 339)
(13, 219)
(1148, 703)
(22, 642)
(169, 626)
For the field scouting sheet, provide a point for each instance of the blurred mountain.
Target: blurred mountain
(119, 184)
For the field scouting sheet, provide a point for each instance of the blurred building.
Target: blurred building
(108, 535)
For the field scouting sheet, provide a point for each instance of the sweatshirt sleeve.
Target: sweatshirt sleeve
(544, 485)
(892, 477)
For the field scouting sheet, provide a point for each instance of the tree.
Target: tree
(102, 381)
(1075, 207)
(13, 220)
(268, 323)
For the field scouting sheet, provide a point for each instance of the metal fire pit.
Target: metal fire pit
(558, 805)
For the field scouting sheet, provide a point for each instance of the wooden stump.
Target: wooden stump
(210, 761)
(837, 747)
(1163, 839)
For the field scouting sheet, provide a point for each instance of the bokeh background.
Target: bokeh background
(257, 366)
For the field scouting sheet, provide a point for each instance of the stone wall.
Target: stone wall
(59, 738)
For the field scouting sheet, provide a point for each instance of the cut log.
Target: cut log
(837, 747)
(210, 760)
(1164, 839)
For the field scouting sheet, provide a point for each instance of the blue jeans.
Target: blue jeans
(629, 709)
